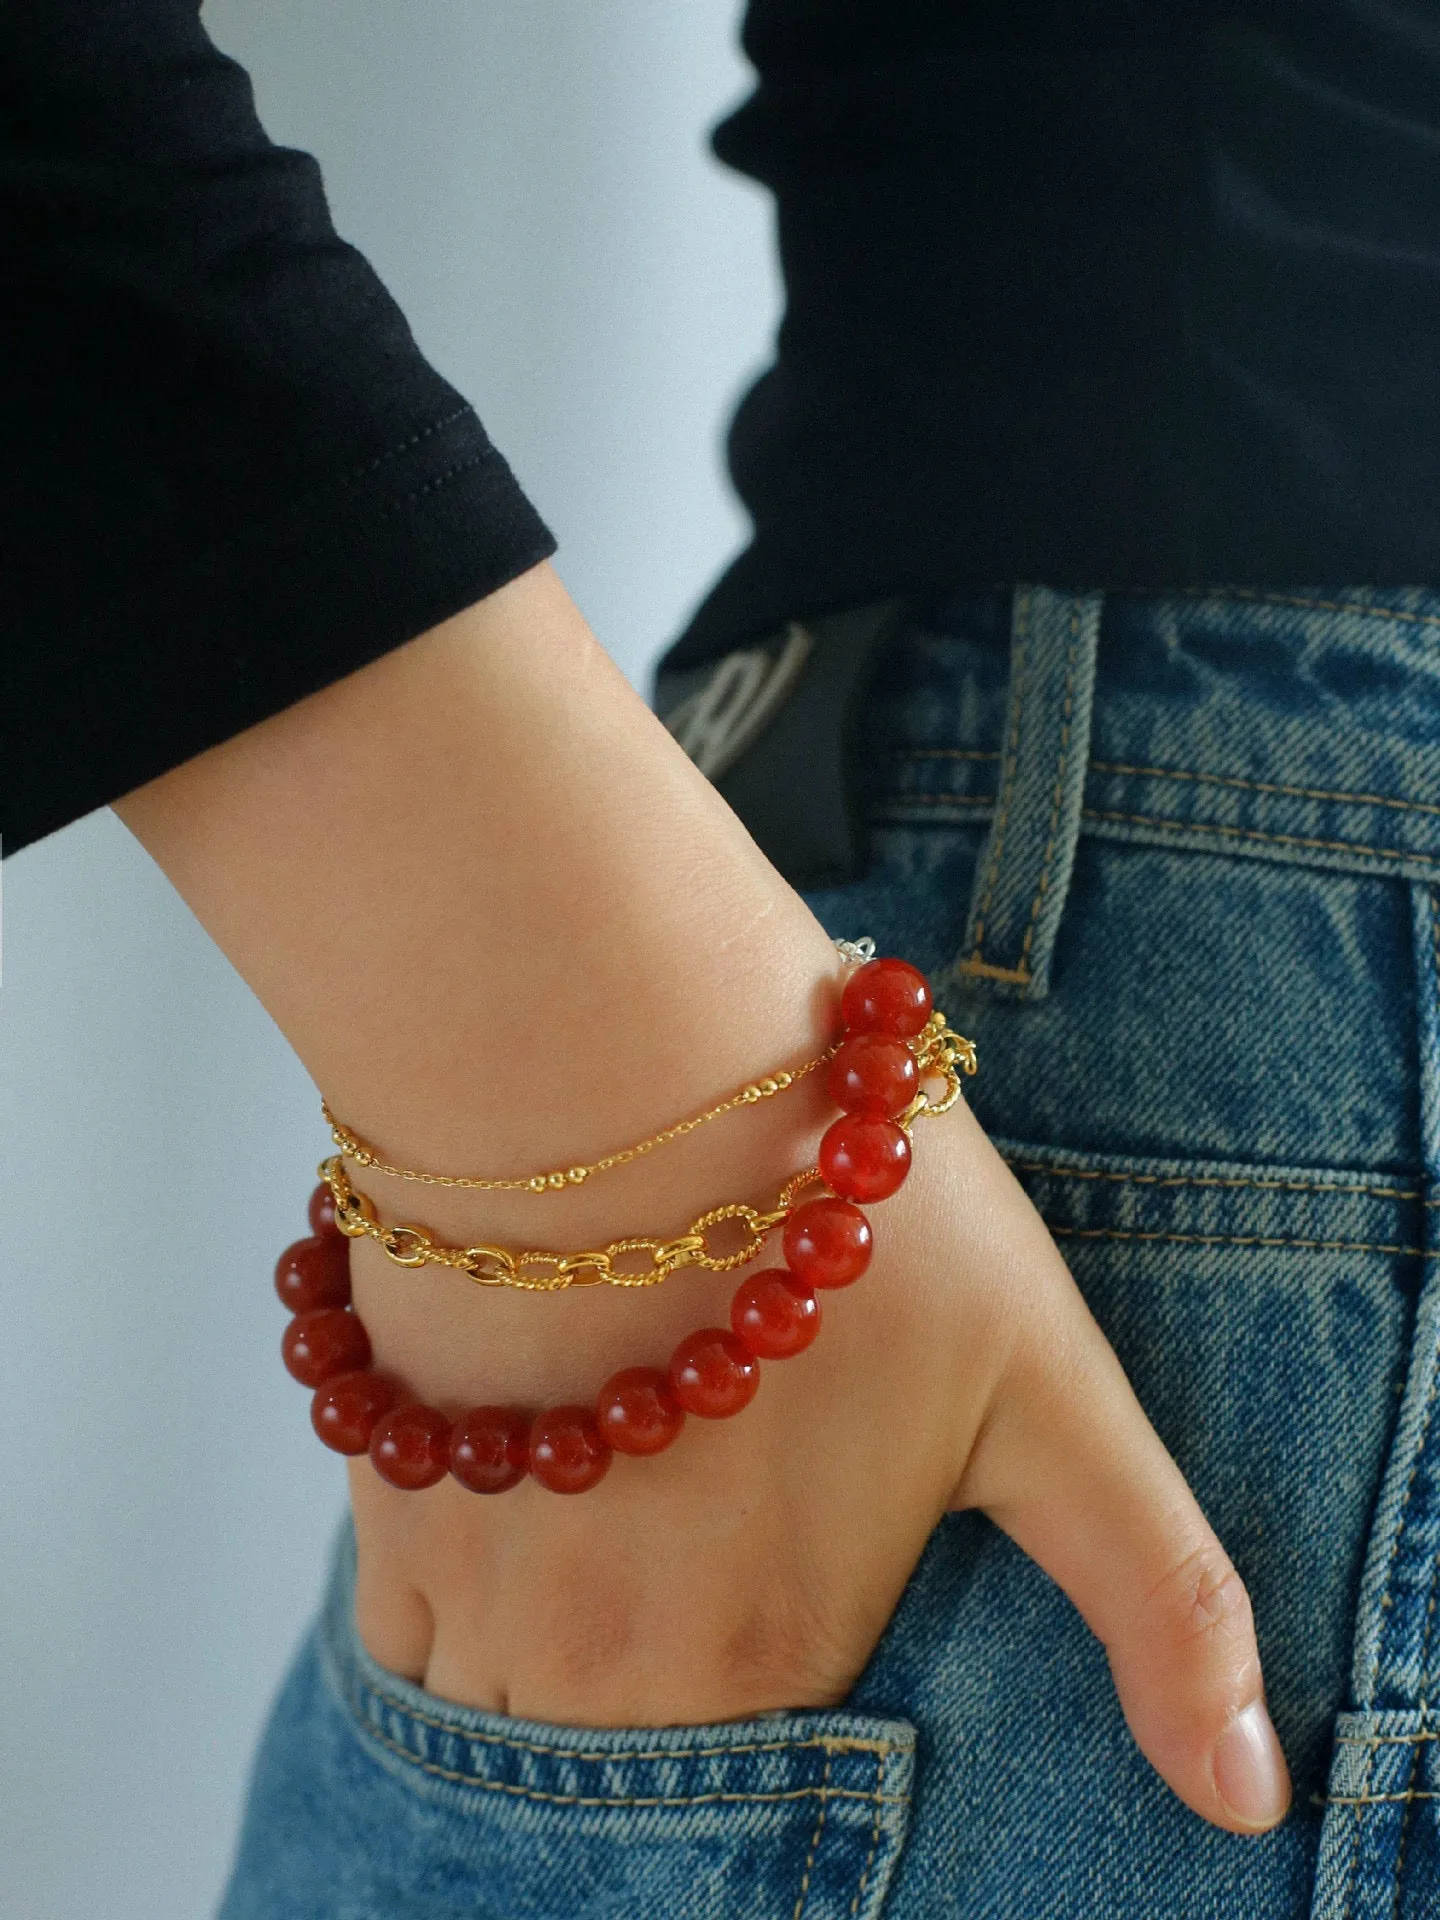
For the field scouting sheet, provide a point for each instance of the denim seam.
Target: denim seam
(1268, 786)
(874, 1841)
(621, 1800)
(1281, 787)
(1020, 667)
(1058, 793)
(1382, 1739)
(830, 1744)
(1385, 1598)
(1435, 1562)
(1158, 822)
(1320, 606)
(1242, 1240)
(1376, 1800)
(814, 1845)
(1258, 833)
(1406, 1818)
(1353, 1873)
(1217, 1180)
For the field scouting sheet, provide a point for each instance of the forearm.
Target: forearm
(496, 911)
(508, 927)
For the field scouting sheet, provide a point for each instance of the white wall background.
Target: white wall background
(531, 179)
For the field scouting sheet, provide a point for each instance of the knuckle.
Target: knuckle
(1202, 1600)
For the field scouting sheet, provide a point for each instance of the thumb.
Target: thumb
(1069, 1466)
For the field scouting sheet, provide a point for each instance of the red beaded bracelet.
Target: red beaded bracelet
(864, 1156)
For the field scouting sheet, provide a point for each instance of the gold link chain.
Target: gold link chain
(939, 1054)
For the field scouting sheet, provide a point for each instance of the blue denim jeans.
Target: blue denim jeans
(1174, 862)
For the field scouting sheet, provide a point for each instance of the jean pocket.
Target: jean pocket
(1380, 1849)
(374, 1799)
(1264, 1316)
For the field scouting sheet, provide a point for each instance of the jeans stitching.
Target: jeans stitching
(1382, 1739)
(1321, 606)
(1205, 1180)
(824, 1792)
(1020, 667)
(814, 1845)
(1405, 1821)
(874, 1841)
(1257, 833)
(1385, 1598)
(819, 1742)
(1362, 1799)
(1241, 1240)
(1281, 787)
(1268, 786)
(1435, 1562)
(1058, 793)
(1375, 1800)
(1159, 823)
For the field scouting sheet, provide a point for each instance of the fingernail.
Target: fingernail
(1250, 1774)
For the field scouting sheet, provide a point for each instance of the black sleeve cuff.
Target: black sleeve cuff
(236, 634)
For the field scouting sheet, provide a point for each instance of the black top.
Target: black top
(229, 476)
(1140, 293)
(1137, 293)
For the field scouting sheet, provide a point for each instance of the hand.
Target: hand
(479, 861)
(755, 1564)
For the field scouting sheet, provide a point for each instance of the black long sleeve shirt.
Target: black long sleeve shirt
(1145, 293)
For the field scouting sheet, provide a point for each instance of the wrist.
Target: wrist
(447, 1336)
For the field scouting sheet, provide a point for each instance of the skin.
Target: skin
(507, 926)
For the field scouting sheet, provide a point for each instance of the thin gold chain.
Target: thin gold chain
(354, 1148)
(939, 1054)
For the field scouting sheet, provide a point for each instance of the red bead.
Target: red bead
(637, 1412)
(317, 1346)
(322, 1211)
(713, 1373)
(886, 996)
(410, 1446)
(871, 1073)
(345, 1409)
(864, 1157)
(828, 1243)
(774, 1314)
(567, 1452)
(314, 1273)
(490, 1449)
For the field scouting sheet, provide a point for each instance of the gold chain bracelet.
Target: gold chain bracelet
(939, 1053)
(354, 1148)
(540, 1272)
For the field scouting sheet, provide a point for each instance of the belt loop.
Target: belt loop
(1023, 874)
